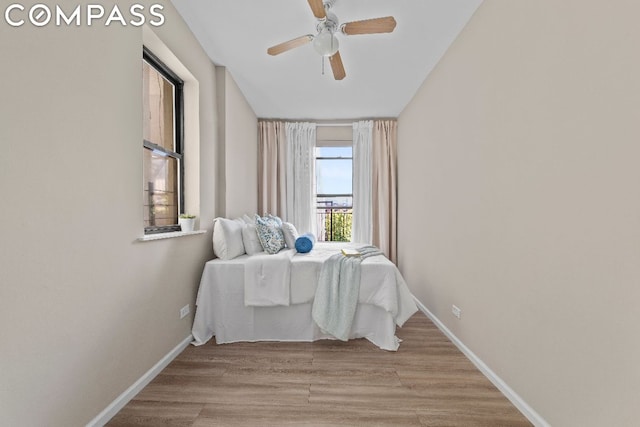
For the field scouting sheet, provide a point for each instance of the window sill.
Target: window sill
(160, 236)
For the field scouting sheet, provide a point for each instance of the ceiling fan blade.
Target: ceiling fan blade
(337, 67)
(288, 45)
(317, 7)
(370, 26)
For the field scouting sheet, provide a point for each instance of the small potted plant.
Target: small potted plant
(186, 221)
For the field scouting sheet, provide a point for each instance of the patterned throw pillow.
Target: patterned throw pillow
(276, 219)
(270, 234)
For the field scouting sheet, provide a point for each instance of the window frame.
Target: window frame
(178, 119)
(318, 207)
(316, 158)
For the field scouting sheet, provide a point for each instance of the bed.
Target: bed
(225, 309)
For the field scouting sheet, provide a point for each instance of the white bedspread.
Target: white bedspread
(384, 301)
(380, 281)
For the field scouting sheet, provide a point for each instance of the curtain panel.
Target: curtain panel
(362, 226)
(272, 161)
(384, 186)
(300, 203)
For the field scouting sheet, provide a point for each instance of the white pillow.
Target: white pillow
(227, 238)
(290, 234)
(248, 220)
(251, 240)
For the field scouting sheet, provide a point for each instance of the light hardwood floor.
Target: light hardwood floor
(427, 382)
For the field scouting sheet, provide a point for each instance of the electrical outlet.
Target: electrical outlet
(456, 311)
(184, 311)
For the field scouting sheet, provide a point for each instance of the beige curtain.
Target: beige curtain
(384, 186)
(272, 169)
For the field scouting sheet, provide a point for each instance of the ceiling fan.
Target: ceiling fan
(325, 41)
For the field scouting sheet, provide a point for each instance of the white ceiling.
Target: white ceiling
(383, 70)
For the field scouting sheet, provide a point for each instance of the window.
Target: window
(334, 195)
(163, 161)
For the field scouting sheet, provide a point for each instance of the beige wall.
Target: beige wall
(518, 187)
(239, 135)
(340, 134)
(85, 309)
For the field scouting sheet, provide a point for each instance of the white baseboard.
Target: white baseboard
(517, 401)
(110, 411)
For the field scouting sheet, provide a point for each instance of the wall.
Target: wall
(239, 135)
(518, 201)
(329, 135)
(86, 309)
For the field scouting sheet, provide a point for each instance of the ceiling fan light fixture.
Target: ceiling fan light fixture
(326, 43)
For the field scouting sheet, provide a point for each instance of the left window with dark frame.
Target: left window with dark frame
(163, 157)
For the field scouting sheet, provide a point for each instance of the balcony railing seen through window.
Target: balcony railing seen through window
(334, 217)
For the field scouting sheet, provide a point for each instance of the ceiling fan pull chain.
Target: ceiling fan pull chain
(323, 65)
